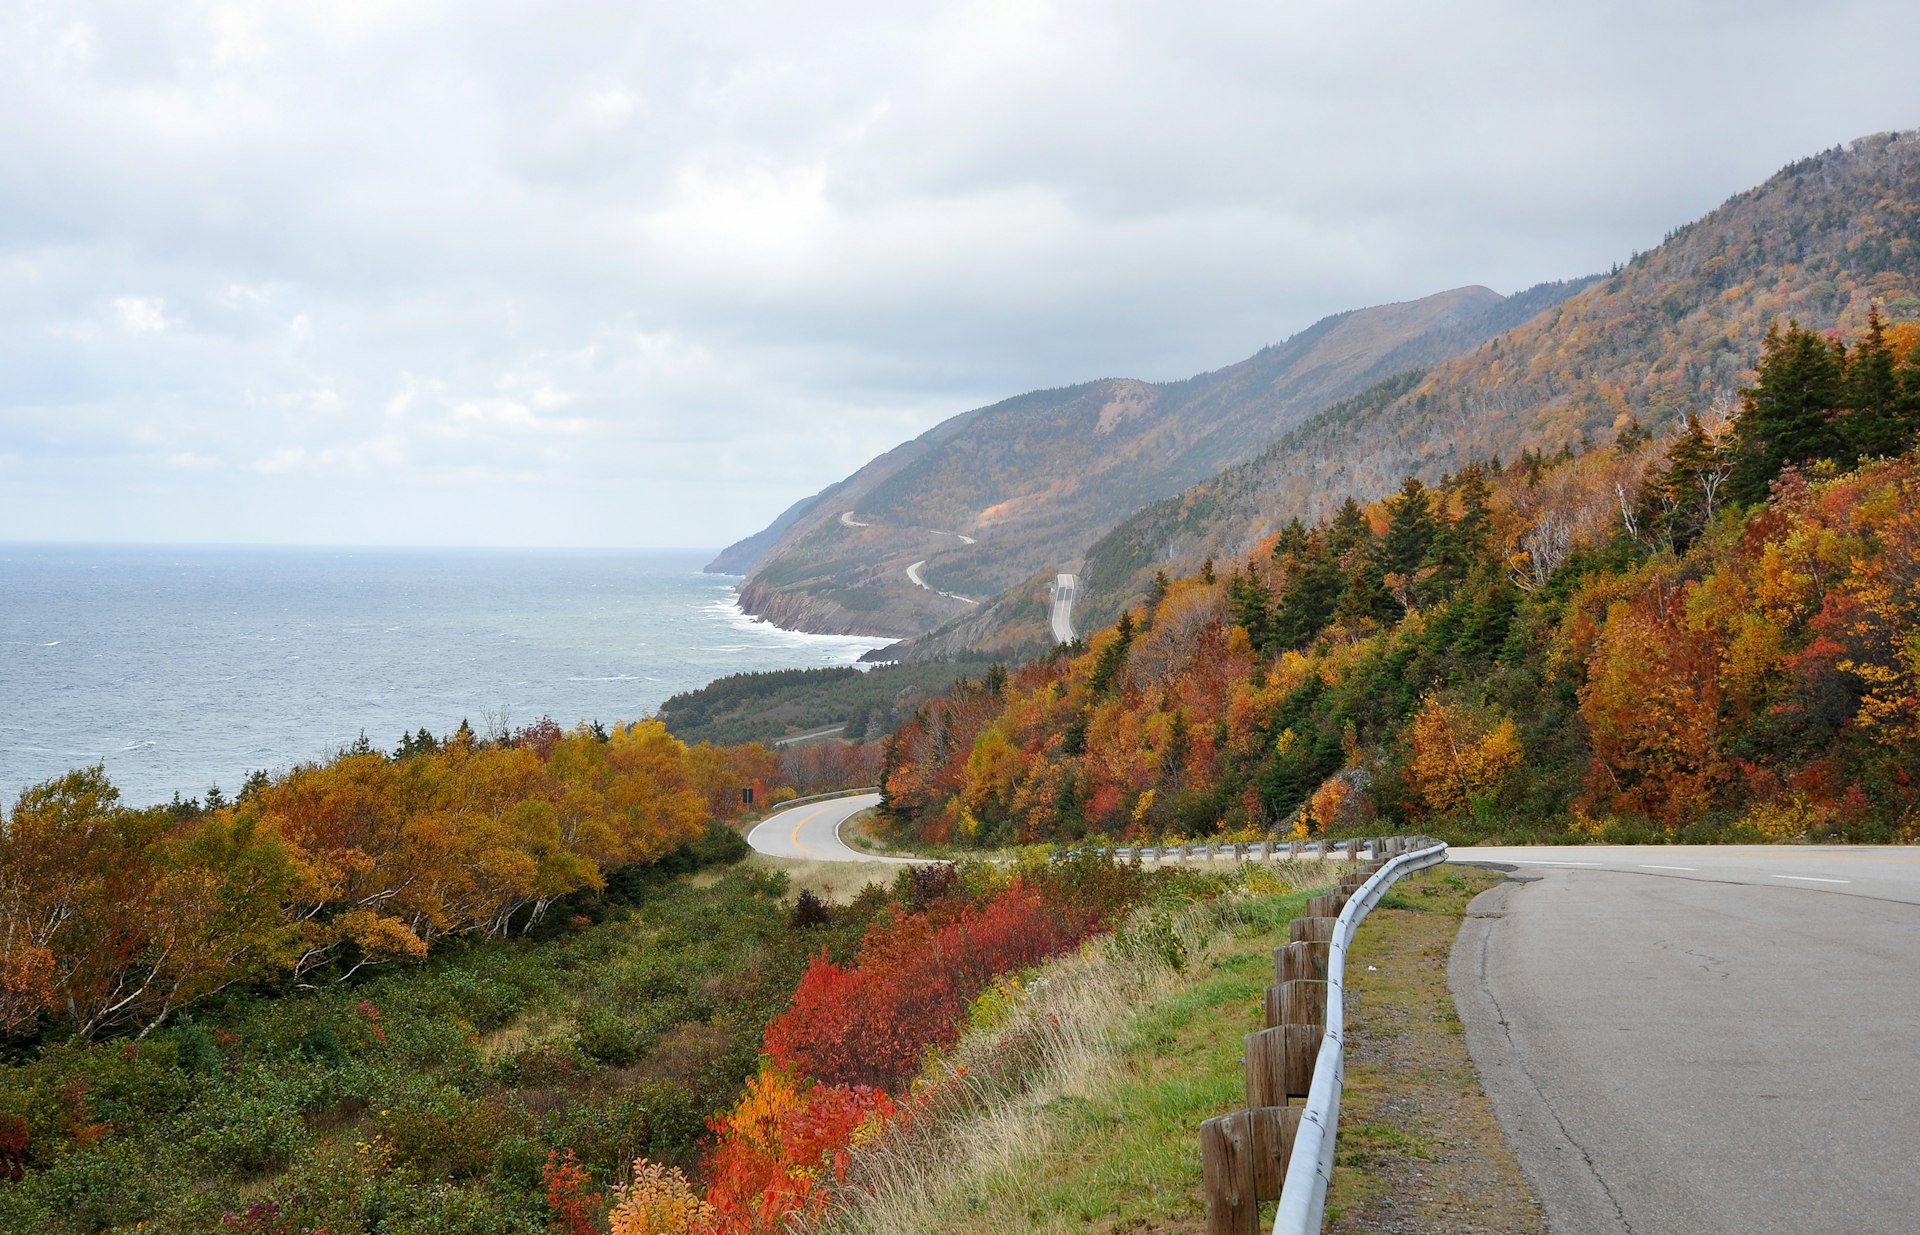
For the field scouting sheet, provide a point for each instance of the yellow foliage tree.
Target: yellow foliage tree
(1455, 760)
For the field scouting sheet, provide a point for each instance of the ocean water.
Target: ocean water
(184, 667)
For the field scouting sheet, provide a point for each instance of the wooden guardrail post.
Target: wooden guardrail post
(1280, 1063)
(1302, 1001)
(1294, 962)
(1310, 930)
(1327, 905)
(1243, 1158)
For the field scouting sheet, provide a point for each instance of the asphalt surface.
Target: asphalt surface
(811, 831)
(1702, 1040)
(1064, 586)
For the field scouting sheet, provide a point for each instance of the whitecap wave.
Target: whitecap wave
(56, 643)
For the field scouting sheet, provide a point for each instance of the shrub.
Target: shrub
(869, 1024)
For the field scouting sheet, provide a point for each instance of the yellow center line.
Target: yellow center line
(795, 837)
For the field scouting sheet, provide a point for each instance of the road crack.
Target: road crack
(1566, 1134)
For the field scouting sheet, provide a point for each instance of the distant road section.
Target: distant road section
(913, 573)
(1063, 587)
(847, 520)
(812, 831)
(1700, 1040)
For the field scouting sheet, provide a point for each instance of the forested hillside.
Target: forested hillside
(990, 497)
(1674, 330)
(1709, 635)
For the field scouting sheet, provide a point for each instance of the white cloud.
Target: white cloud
(691, 262)
(138, 315)
(285, 459)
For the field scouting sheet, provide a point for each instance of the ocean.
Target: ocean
(185, 667)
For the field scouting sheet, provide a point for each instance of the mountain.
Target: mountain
(1673, 331)
(925, 532)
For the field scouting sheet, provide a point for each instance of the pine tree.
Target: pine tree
(1405, 552)
(1314, 584)
(1872, 425)
(1349, 529)
(1786, 416)
(1251, 602)
(1366, 597)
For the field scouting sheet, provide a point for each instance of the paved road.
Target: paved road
(1063, 589)
(913, 573)
(1703, 1040)
(812, 830)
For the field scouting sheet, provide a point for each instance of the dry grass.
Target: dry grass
(1004, 1143)
(834, 882)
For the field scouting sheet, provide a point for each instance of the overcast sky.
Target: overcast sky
(643, 274)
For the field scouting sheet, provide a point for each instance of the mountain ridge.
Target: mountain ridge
(1672, 331)
(988, 497)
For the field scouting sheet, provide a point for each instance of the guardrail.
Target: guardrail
(1270, 1149)
(1310, 1166)
(1241, 851)
(821, 797)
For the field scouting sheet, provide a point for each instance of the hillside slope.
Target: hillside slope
(1675, 330)
(991, 497)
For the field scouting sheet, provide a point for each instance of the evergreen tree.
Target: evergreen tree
(1458, 545)
(1349, 529)
(1786, 416)
(1674, 503)
(1292, 541)
(1250, 601)
(1314, 584)
(1872, 426)
(1113, 657)
(1410, 529)
(1366, 597)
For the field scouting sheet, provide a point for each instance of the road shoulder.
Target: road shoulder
(1419, 1148)
(1535, 1132)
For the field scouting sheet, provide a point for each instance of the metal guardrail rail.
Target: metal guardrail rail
(1303, 1196)
(822, 797)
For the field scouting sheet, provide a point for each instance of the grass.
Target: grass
(1082, 1110)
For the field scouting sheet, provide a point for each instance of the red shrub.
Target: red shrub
(570, 1198)
(870, 1024)
(13, 1147)
(780, 1148)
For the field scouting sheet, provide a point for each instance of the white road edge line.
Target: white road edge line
(1552, 862)
(1650, 866)
(1812, 879)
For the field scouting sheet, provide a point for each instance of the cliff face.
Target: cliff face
(935, 528)
(793, 609)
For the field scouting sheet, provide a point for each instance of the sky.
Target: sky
(640, 274)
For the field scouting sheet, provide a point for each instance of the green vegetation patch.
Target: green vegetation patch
(763, 707)
(425, 1098)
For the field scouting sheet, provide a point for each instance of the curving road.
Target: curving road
(913, 573)
(1692, 1039)
(811, 831)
